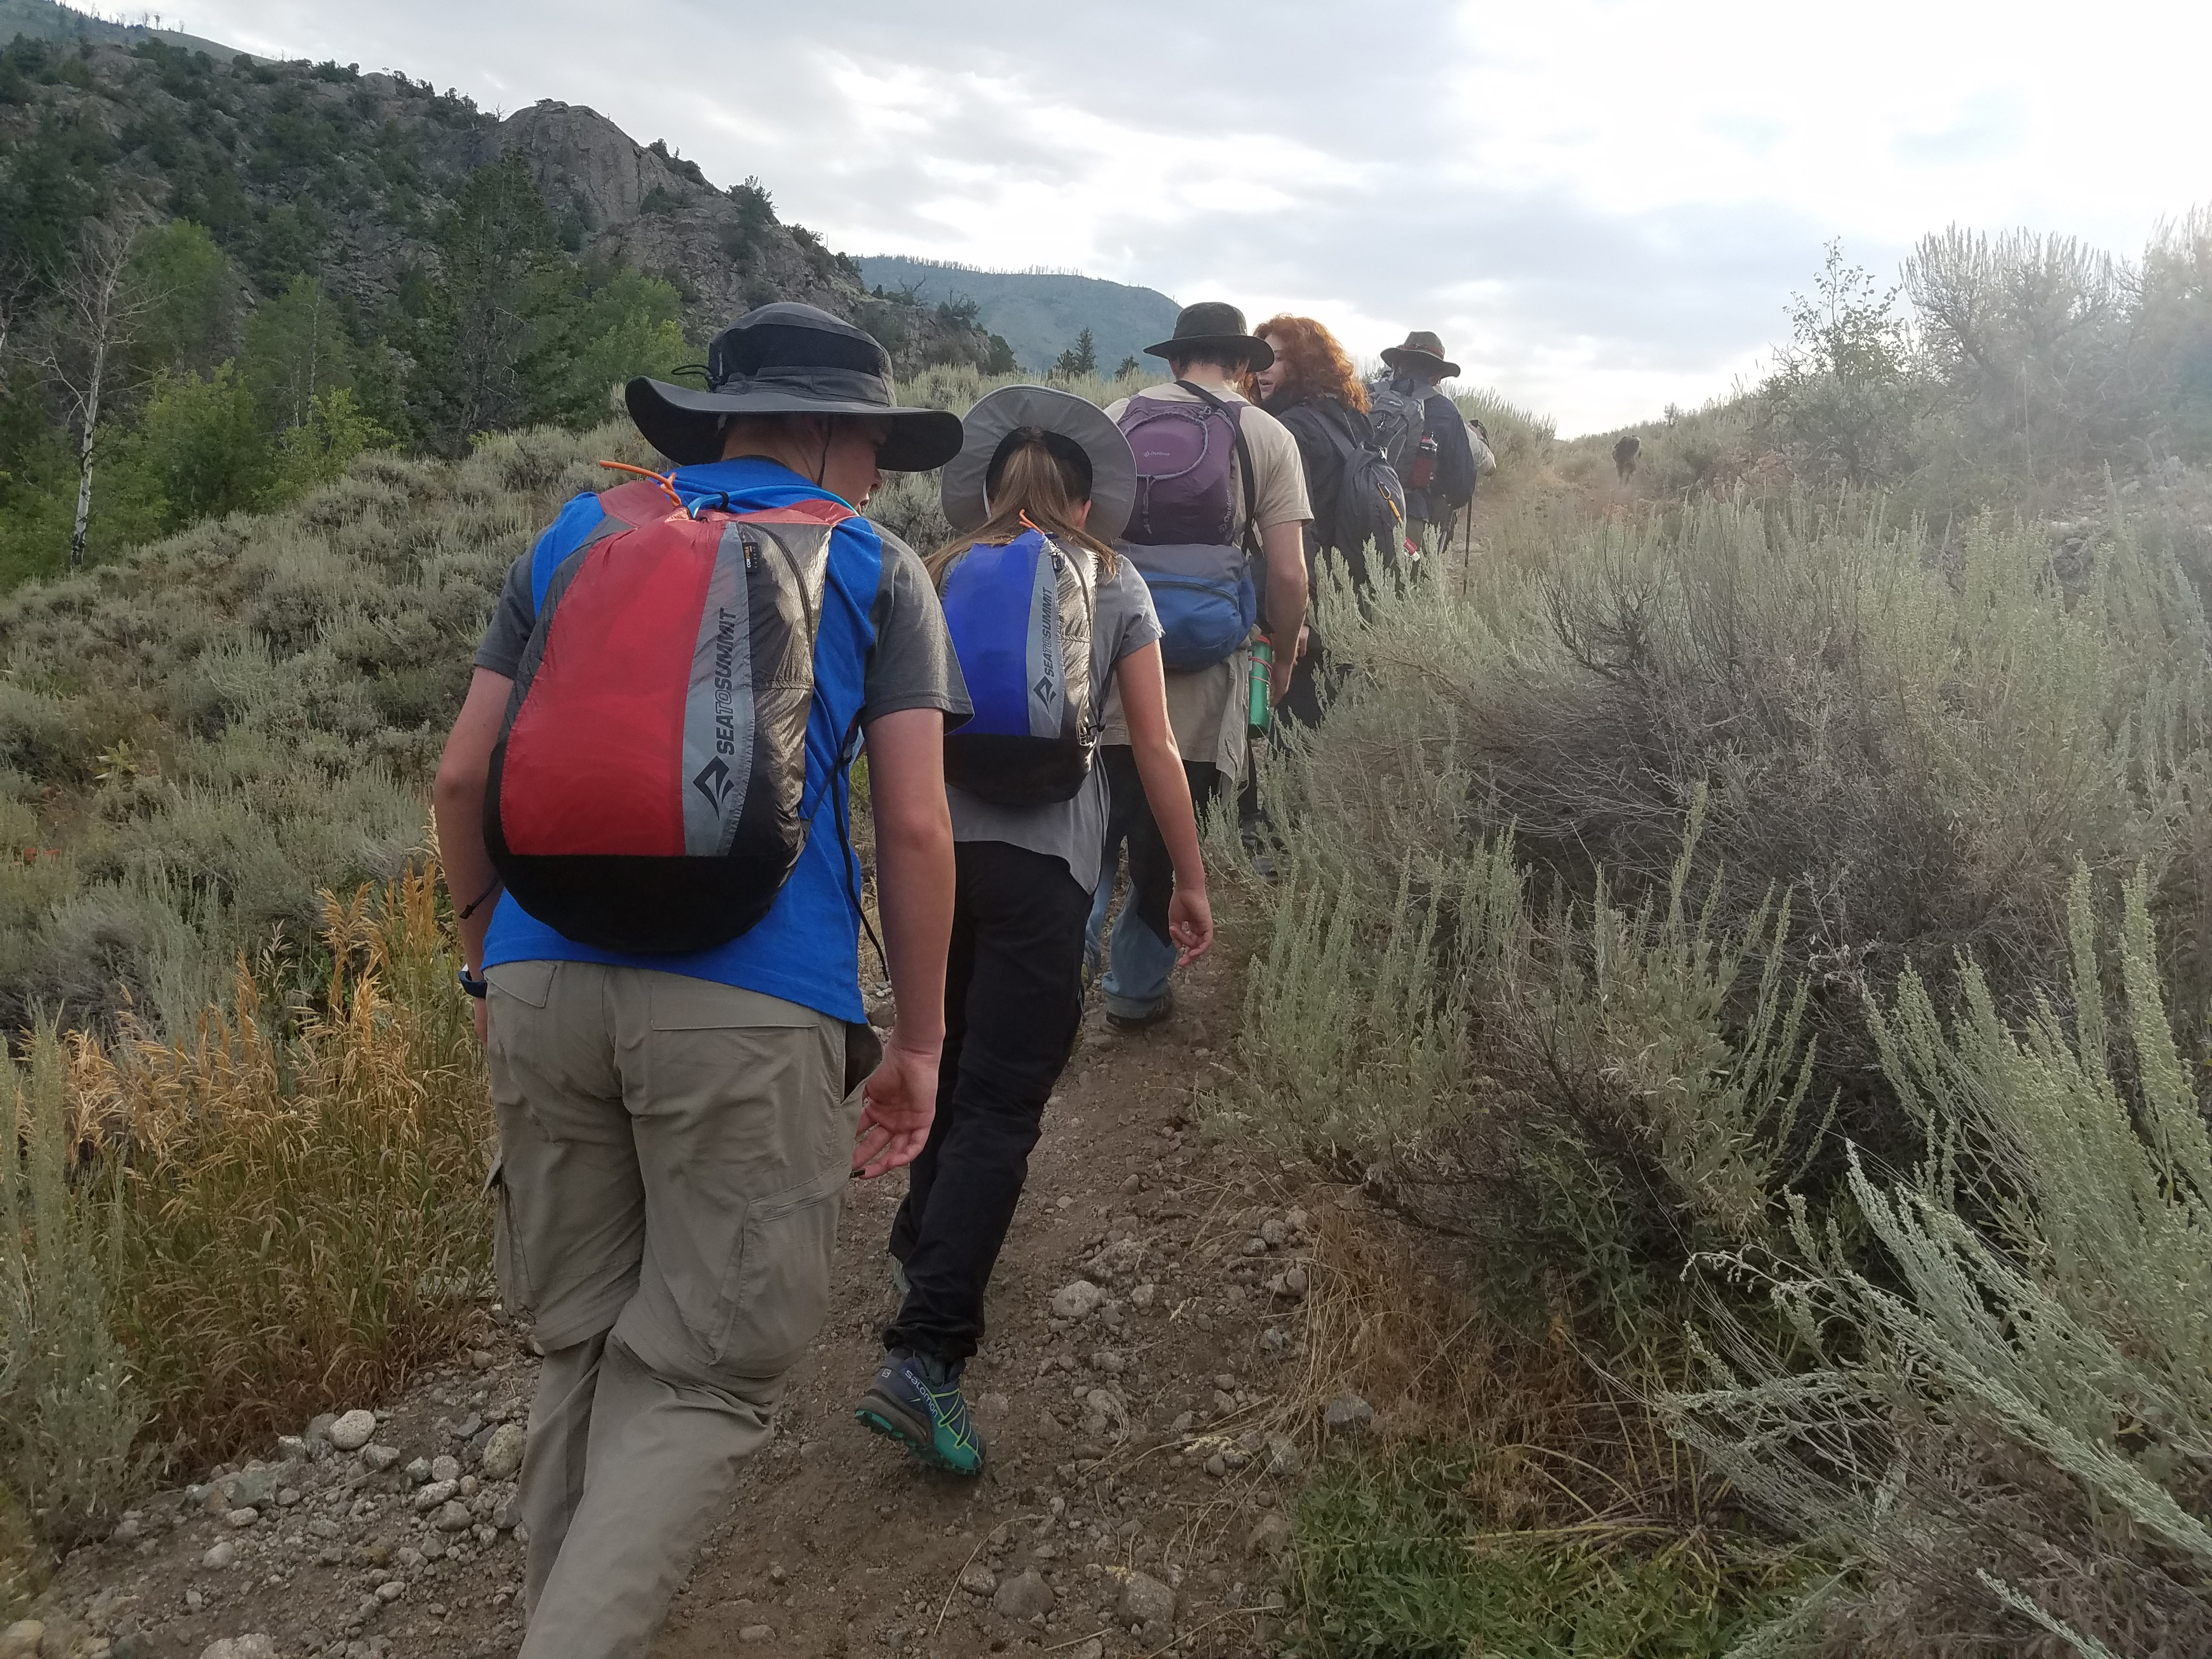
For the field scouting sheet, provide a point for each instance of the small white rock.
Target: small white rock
(390, 1591)
(445, 1469)
(379, 1457)
(253, 1646)
(224, 1554)
(242, 1518)
(353, 1430)
(503, 1453)
(429, 1497)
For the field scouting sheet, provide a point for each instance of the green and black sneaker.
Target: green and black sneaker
(916, 1401)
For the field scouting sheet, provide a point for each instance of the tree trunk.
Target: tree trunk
(84, 454)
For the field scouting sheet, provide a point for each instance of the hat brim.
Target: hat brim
(686, 425)
(1410, 357)
(1113, 467)
(1258, 354)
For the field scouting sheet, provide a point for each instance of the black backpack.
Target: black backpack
(1397, 419)
(1371, 503)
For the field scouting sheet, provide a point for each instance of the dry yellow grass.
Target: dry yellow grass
(288, 1201)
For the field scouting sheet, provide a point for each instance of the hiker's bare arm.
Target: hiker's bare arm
(914, 898)
(1167, 791)
(1284, 546)
(457, 802)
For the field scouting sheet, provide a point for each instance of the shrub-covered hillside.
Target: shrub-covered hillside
(222, 278)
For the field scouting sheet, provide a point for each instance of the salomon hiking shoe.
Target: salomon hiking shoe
(916, 1401)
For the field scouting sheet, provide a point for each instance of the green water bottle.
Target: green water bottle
(1260, 700)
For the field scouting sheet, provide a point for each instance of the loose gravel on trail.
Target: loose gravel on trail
(1145, 1337)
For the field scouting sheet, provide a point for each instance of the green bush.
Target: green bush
(2006, 1426)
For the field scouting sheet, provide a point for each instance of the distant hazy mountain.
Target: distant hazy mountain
(43, 20)
(1038, 314)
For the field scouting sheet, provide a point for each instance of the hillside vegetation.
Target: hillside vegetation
(221, 279)
(1040, 314)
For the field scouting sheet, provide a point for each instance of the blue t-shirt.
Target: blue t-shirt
(881, 646)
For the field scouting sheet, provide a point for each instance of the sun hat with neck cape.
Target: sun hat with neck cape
(999, 418)
(789, 359)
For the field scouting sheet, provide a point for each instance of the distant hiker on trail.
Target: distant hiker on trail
(1439, 473)
(1046, 620)
(1218, 532)
(1626, 454)
(1359, 504)
(652, 759)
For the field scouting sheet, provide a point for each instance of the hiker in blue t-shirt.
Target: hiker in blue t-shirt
(1046, 618)
(671, 1147)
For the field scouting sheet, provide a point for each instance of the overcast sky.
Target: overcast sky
(1602, 205)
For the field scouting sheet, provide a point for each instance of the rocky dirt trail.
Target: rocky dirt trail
(1137, 1391)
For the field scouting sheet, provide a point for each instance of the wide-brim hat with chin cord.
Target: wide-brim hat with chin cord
(998, 418)
(789, 359)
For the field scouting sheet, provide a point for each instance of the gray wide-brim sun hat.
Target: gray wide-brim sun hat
(789, 359)
(1000, 415)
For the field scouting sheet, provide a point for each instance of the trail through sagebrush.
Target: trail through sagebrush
(1099, 1512)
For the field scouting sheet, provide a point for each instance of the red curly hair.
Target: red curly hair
(1313, 362)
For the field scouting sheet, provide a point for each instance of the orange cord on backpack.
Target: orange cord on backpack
(665, 480)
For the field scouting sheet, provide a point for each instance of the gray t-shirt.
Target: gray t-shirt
(911, 665)
(1074, 831)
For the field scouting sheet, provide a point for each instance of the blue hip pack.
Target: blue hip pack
(1206, 599)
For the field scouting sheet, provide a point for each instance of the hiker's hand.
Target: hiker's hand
(1305, 637)
(899, 1101)
(1279, 671)
(1190, 923)
(482, 1015)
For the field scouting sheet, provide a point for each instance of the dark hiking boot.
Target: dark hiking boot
(1158, 1014)
(916, 1401)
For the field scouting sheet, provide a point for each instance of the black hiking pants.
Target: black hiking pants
(1014, 1003)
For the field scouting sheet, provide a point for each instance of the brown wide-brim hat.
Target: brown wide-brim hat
(789, 359)
(1212, 325)
(1422, 349)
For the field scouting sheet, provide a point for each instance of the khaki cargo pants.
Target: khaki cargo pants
(672, 1154)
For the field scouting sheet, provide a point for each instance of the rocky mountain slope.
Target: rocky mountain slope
(322, 169)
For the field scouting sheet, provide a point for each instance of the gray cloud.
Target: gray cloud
(1128, 125)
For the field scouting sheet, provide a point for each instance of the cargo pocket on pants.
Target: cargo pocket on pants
(778, 1287)
(510, 1265)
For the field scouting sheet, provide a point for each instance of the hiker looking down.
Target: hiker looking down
(1359, 508)
(1046, 619)
(1438, 471)
(1217, 533)
(653, 762)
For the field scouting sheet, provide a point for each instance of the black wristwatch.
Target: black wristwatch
(475, 988)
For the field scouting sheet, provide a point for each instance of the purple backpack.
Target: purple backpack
(1184, 454)
(1181, 535)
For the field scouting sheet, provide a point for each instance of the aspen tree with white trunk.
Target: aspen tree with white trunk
(92, 319)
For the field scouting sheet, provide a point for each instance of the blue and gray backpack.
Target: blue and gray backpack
(1182, 535)
(1020, 616)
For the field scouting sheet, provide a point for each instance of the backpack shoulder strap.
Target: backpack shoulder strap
(1234, 411)
(821, 512)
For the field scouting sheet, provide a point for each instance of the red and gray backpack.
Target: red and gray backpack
(647, 793)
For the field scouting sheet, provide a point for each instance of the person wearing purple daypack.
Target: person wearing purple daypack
(1218, 532)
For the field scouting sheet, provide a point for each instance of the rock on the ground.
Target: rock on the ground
(1348, 1415)
(353, 1430)
(503, 1453)
(445, 1469)
(379, 1458)
(255, 1645)
(1146, 1601)
(21, 1639)
(1094, 1648)
(756, 1634)
(1271, 1536)
(1283, 1456)
(1024, 1597)
(1076, 1300)
(224, 1554)
(977, 1579)
(454, 1517)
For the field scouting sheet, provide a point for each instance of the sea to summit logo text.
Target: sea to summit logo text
(726, 648)
(714, 782)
